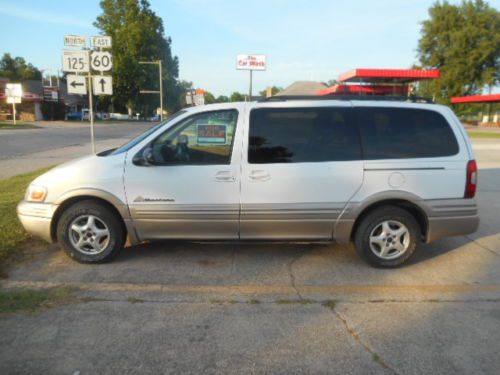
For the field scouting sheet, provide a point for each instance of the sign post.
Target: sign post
(91, 114)
(161, 84)
(14, 93)
(82, 62)
(251, 63)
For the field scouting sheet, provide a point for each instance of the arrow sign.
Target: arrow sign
(102, 85)
(102, 81)
(76, 84)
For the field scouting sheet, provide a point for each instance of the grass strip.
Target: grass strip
(19, 125)
(12, 192)
(485, 134)
(31, 300)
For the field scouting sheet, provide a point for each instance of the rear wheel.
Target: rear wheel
(90, 232)
(387, 236)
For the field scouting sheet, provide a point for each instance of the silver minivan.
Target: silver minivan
(384, 174)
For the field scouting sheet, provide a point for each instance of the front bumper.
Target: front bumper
(36, 218)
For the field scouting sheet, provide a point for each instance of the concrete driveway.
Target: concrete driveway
(191, 308)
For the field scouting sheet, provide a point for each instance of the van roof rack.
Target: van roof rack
(284, 98)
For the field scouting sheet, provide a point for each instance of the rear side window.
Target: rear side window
(400, 133)
(296, 135)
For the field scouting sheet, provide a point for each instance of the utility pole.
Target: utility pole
(161, 91)
(158, 62)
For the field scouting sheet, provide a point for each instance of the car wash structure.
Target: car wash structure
(388, 82)
(491, 117)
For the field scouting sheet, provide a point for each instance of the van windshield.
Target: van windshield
(127, 146)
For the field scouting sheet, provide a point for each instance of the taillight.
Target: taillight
(471, 182)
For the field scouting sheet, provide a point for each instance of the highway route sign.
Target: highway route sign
(100, 41)
(74, 41)
(75, 61)
(101, 61)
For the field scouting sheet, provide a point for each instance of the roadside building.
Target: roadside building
(30, 107)
(302, 88)
(394, 82)
(488, 117)
(40, 102)
(4, 110)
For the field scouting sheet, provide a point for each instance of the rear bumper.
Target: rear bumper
(440, 227)
(453, 217)
(36, 218)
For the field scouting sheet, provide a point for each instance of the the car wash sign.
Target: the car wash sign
(251, 62)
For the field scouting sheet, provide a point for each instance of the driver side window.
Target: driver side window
(201, 139)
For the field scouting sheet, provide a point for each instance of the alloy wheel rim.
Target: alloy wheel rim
(89, 234)
(389, 239)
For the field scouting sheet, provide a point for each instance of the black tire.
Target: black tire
(112, 244)
(372, 222)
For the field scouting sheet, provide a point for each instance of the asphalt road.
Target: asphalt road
(26, 150)
(192, 308)
(55, 135)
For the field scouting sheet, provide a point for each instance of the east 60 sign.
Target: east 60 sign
(251, 62)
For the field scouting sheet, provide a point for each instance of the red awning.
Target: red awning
(493, 98)
(388, 75)
(364, 89)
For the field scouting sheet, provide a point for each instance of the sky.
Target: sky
(302, 39)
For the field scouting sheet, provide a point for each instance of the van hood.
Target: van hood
(94, 172)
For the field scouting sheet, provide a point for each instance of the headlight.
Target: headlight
(36, 193)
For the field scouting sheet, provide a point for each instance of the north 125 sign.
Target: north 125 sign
(251, 62)
(75, 61)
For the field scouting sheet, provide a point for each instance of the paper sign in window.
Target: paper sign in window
(211, 134)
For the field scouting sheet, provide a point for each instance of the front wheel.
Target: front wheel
(387, 237)
(90, 232)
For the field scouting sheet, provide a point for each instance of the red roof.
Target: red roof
(476, 99)
(364, 89)
(388, 75)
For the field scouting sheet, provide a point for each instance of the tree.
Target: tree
(331, 82)
(237, 97)
(209, 98)
(138, 35)
(17, 69)
(222, 99)
(463, 41)
(274, 91)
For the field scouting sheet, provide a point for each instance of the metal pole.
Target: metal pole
(161, 91)
(14, 112)
(250, 91)
(91, 114)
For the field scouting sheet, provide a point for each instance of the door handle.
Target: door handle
(225, 176)
(259, 175)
